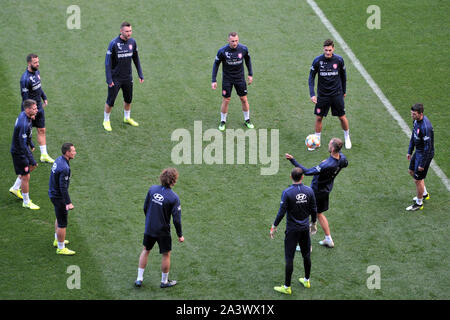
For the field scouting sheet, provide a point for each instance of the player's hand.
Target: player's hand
(45, 103)
(69, 206)
(250, 80)
(214, 85)
(313, 228)
(408, 156)
(32, 167)
(141, 80)
(181, 239)
(273, 229)
(314, 99)
(288, 156)
(111, 84)
(345, 95)
(420, 169)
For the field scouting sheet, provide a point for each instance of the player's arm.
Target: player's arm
(308, 172)
(215, 69)
(280, 214)
(295, 163)
(24, 89)
(24, 137)
(108, 64)
(248, 63)
(343, 75)
(411, 146)
(311, 80)
(147, 202)
(313, 208)
(137, 63)
(176, 214)
(64, 178)
(427, 144)
(30, 143)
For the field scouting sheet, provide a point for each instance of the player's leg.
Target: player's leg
(55, 242)
(165, 248)
(127, 91)
(305, 248)
(290, 242)
(345, 127)
(109, 104)
(322, 201)
(241, 90)
(39, 124)
(61, 227)
(318, 125)
(321, 109)
(24, 169)
(338, 110)
(227, 87)
(419, 180)
(15, 189)
(148, 244)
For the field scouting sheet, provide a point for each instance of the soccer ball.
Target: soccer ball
(312, 141)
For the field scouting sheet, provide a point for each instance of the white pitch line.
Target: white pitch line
(372, 84)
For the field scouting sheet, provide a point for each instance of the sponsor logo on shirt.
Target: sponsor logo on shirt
(332, 73)
(158, 198)
(301, 198)
(124, 55)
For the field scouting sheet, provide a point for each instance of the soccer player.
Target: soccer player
(121, 51)
(422, 138)
(322, 184)
(299, 202)
(160, 204)
(31, 88)
(58, 191)
(21, 151)
(233, 55)
(331, 89)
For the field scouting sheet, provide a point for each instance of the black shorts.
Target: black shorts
(127, 92)
(294, 237)
(322, 200)
(335, 102)
(21, 164)
(39, 120)
(227, 87)
(60, 212)
(414, 166)
(164, 243)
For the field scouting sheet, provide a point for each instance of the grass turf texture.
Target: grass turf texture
(227, 209)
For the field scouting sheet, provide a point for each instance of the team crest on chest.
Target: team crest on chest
(130, 46)
(335, 66)
(240, 55)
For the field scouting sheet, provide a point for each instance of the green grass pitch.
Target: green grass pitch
(227, 209)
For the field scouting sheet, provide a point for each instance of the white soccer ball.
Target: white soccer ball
(312, 141)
